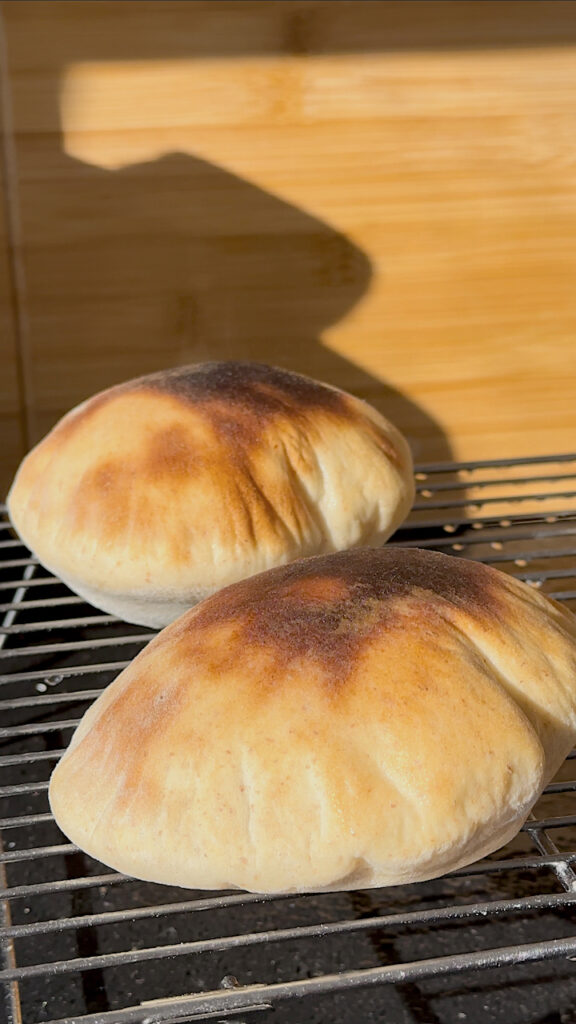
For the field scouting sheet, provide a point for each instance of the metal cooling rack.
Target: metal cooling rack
(81, 943)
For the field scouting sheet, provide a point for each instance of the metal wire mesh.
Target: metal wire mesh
(81, 943)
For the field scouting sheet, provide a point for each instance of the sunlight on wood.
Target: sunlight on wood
(265, 182)
(451, 171)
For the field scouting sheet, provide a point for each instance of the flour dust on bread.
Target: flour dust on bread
(366, 718)
(155, 493)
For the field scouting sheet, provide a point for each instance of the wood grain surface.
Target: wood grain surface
(380, 194)
(12, 399)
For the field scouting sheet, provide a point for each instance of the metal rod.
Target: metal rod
(47, 700)
(542, 841)
(515, 499)
(12, 991)
(437, 486)
(39, 755)
(451, 467)
(81, 645)
(243, 997)
(35, 728)
(23, 820)
(142, 913)
(487, 909)
(75, 670)
(40, 627)
(197, 946)
(36, 853)
(49, 602)
(482, 867)
(17, 563)
(62, 885)
(7, 943)
(10, 616)
(23, 787)
(484, 538)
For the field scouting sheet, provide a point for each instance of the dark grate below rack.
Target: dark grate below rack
(81, 943)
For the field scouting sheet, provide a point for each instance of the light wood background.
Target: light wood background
(380, 194)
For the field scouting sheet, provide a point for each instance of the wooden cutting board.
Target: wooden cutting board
(379, 194)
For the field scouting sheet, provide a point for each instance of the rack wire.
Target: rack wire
(83, 944)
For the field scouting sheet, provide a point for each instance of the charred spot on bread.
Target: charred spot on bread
(328, 607)
(239, 399)
(254, 387)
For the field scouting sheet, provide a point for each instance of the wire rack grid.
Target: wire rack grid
(81, 943)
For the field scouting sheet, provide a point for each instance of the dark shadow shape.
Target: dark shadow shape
(177, 260)
(188, 262)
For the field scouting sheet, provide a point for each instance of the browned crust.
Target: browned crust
(311, 620)
(254, 388)
(238, 399)
(328, 608)
(236, 395)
